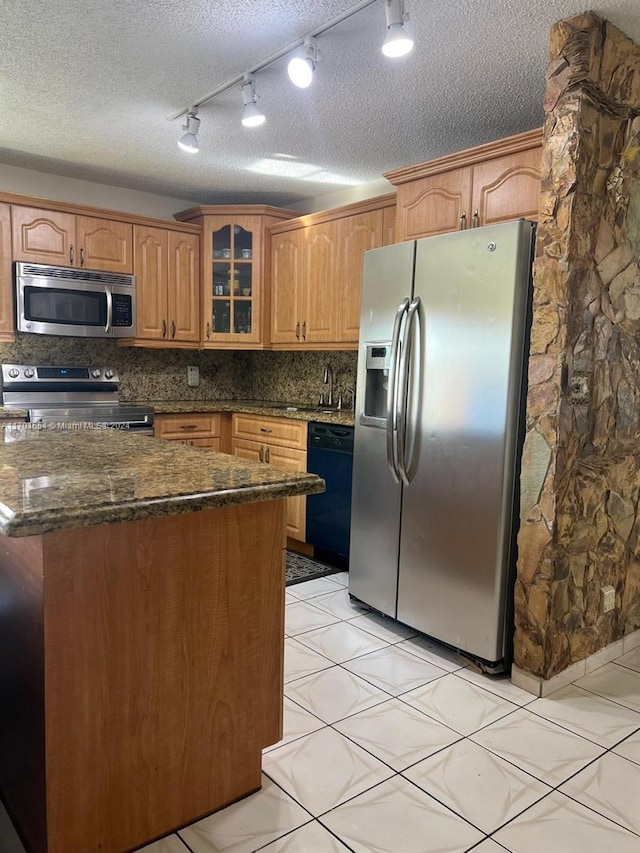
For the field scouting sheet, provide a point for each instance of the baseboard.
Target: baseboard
(543, 687)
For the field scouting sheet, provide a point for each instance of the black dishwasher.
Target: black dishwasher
(330, 456)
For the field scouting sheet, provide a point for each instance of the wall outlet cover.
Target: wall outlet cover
(608, 598)
(193, 375)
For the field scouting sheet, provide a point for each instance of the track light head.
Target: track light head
(397, 42)
(189, 140)
(301, 68)
(252, 116)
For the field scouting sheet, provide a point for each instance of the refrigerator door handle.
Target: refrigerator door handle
(403, 383)
(392, 390)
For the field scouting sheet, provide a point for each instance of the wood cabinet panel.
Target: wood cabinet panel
(7, 323)
(275, 441)
(319, 305)
(104, 245)
(356, 234)
(151, 271)
(286, 275)
(281, 431)
(64, 239)
(434, 205)
(507, 187)
(43, 236)
(389, 225)
(167, 285)
(186, 426)
(184, 287)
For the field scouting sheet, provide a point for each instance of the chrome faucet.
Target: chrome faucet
(328, 379)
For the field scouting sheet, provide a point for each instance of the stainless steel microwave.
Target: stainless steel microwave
(80, 303)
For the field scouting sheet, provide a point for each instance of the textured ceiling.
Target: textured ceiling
(86, 88)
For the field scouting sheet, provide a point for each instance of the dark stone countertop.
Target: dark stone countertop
(53, 480)
(265, 408)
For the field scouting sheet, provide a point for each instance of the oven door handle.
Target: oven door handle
(109, 310)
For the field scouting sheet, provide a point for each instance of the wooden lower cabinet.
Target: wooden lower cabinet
(275, 441)
(195, 429)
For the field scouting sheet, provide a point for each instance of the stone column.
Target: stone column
(581, 461)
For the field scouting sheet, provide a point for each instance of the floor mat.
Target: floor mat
(300, 568)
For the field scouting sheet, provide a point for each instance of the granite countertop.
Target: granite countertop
(54, 480)
(251, 407)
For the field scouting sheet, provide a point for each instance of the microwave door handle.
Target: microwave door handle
(109, 311)
(392, 389)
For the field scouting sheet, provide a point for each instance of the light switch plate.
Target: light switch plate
(193, 375)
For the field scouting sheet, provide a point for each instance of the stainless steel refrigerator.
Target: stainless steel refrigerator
(439, 412)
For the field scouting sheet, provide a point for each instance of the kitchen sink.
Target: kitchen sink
(293, 407)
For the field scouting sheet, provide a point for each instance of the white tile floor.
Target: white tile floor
(393, 745)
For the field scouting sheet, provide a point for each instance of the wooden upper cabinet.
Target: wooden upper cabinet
(356, 234)
(43, 236)
(507, 187)
(64, 239)
(104, 244)
(151, 270)
(389, 225)
(492, 183)
(434, 205)
(286, 273)
(6, 279)
(234, 300)
(319, 277)
(167, 285)
(316, 274)
(184, 287)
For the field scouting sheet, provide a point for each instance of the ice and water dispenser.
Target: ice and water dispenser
(378, 357)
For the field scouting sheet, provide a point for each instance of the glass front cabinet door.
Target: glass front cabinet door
(233, 240)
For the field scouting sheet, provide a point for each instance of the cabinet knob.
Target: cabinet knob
(164, 328)
(81, 256)
(476, 219)
(462, 220)
(264, 429)
(298, 331)
(304, 330)
(173, 328)
(188, 426)
(208, 331)
(261, 454)
(72, 255)
(266, 455)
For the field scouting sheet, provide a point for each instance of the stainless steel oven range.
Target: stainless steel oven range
(72, 398)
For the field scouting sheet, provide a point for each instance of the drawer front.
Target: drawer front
(282, 431)
(187, 426)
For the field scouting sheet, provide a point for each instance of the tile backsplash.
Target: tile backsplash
(161, 374)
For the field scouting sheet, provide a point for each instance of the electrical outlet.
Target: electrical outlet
(608, 598)
(193, 376)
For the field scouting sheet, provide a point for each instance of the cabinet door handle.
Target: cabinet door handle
(476, 219)
(188, 426)
(298, 331)
(265, 429)
(164, 328)
(266, 455)
(173, 328)
(208, 331)
(304, 331)
(261, 454)
(81, 256)
(462, 221)
(72, 255)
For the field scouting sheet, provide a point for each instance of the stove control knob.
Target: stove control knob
(14, 372)
(29, 372)
(96, 373)
(108, 373)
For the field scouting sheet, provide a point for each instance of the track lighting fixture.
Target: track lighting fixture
(301, 68)
(251, 114)
(398, 42)
(189, 139)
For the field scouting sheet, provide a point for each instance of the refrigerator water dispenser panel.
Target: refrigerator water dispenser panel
(376, 383)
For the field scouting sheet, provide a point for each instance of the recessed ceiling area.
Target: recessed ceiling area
(86, 89)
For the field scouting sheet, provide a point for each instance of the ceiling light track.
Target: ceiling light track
(401, 43)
